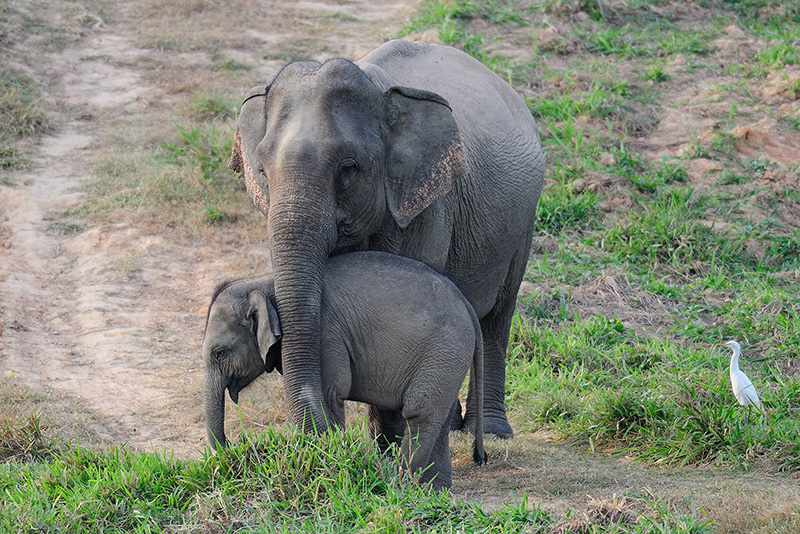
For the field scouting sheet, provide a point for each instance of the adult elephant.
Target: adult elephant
(415, 149)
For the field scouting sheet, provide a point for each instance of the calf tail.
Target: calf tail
(479, 455)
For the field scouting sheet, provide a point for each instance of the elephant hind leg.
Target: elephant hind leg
(426, 448)
(495, 327)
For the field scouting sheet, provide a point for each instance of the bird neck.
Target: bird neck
(735, 361)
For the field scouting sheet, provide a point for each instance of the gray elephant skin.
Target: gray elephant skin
(415, 149)
(394, 334)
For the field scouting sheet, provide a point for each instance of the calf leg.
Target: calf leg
(426, 447)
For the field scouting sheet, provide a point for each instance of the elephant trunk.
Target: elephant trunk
(302, 234)
(215, 411)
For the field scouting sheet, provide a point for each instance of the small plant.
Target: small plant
(561, 209)
(229, 64)
(199, 147)
(10, 158)
(667, 232)
(656, 72)
(758, 166)
(787, 248)
(213, 214)
(697, 150)
(65, 227)
(611, 41)
(554, 307)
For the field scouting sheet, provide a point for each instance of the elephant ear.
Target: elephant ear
(267, 329)
(250, 129)
(424, 153)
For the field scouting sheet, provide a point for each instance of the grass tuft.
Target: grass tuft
(26, 440)
(23, 106)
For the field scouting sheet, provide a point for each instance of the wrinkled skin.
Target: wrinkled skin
(394, 334)
(416, 149)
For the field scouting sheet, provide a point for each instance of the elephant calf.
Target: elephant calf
(395, 335)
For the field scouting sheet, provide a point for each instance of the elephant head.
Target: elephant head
(334, 162)
(242, 340)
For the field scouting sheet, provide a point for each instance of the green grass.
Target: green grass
(25, 440)
(10, 158)
(335, 483)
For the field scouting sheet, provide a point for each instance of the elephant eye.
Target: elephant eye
(348, 168)
(220, 353)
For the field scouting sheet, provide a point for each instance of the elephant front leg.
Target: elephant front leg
(387, 427)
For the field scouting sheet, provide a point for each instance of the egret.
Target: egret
(743, 388)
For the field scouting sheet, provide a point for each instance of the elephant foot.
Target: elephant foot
(495, 425)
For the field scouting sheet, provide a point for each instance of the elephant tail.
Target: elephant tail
(479, 455)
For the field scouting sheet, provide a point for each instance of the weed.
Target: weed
(213, 214)
(778, 56)
(667, 232)
(199, 147)
(229, 64)
(65, 227)
(758, 165)
(451, 19)
(129, 266)
(325, 15)
(599, 100)
(656, 72)
(787, 248)
(731, 177)
(546, 307)
(646, 41)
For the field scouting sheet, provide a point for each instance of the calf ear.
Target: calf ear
(267, 330)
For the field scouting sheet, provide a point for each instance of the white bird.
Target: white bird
(743, 388)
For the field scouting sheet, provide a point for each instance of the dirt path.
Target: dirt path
(69, 323)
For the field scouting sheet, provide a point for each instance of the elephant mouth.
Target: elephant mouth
(238, 384)
(233, 392)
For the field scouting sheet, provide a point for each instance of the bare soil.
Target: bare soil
(105, 319)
